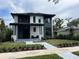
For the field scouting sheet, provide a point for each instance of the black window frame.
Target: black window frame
(34, 20)
(39, 20)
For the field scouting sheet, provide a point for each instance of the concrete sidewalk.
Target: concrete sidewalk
(22, 54)
(67, 55)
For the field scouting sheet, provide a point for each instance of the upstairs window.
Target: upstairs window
(48, 20)
(34, 19)
(39, 20)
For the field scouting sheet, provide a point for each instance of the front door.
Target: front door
(23, 32)
(26, 32)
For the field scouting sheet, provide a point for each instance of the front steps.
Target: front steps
(28, 40)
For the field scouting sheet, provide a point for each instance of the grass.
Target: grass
(60, 41)
(53, 56)
(76, 53)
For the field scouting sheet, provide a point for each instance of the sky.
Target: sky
(63, 9)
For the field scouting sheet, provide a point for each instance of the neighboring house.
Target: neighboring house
(32, 26)
(65, 31)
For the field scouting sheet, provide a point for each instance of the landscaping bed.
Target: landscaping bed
(76, 53)
(63, 43)
(67, 45)
(53, 56)
(18, 46)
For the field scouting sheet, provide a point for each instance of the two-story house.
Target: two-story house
(29, 26)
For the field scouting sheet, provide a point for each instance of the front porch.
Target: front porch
(28, 40)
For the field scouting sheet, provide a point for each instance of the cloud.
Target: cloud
(65, 8)
(15, 8)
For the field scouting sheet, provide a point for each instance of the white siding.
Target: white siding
(38, 28)
(16, 19)
(37, 19)
(32, 33)
(15, 29)
(52, 28)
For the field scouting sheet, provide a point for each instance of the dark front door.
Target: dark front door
(24, 32)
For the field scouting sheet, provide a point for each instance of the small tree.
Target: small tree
(2, 25)
(57, 24)
(71, 30)
(5, 34)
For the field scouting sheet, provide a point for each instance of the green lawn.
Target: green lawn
(60, 41)
(12, 44)
(53, 56)
(76, 53)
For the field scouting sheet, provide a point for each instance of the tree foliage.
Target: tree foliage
(2, 25)
(54, 1)
(74, 22)
(5, 34)
(57, 24)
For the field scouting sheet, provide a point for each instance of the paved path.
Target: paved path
(66, 54)
(47, 46)
(22, 54)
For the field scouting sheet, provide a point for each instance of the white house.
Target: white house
(29, 26)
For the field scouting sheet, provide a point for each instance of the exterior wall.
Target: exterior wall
(37, 27)
(15, 33)
(47, 27)
(52, 28)
(32, 33)
(15, 19)
(15, 29)
(37, 19)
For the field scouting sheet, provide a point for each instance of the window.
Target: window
(39, 20)
(34, 19)
(34, 29)
(48, 20)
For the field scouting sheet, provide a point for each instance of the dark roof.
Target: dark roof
(40, 14)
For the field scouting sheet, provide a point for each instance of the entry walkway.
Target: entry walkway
(67, 55)
(46, 45)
